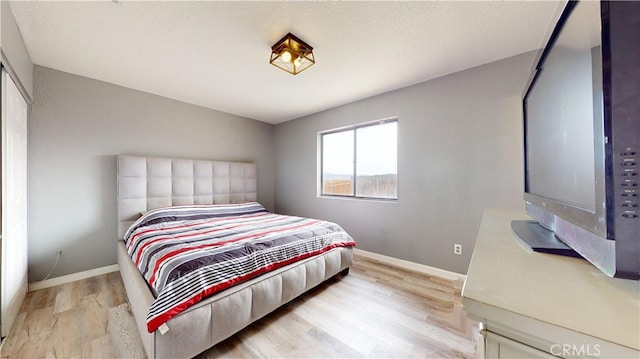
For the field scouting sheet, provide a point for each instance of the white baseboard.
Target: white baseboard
(416, 267)
(72, 277)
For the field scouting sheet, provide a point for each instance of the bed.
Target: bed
(147, 188)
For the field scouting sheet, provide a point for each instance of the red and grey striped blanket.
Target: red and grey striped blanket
(187, 253)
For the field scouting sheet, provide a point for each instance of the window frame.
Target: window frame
(353, 128)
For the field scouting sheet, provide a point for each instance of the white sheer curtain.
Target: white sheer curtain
(14, 200)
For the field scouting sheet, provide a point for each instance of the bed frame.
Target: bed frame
(145, 183)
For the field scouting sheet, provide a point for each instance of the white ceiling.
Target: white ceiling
(215, 54)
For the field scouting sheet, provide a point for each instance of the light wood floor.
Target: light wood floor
(375, 311)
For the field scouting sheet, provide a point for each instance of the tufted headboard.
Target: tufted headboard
(146, 183)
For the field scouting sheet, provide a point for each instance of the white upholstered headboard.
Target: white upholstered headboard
(145, 183)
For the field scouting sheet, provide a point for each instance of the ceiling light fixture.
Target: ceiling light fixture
(292, 54)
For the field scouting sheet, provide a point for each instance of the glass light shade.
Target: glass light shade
(286, 56)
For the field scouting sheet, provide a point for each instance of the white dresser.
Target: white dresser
(543, 305)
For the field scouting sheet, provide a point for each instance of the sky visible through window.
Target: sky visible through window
(377, 151)
(337, 153)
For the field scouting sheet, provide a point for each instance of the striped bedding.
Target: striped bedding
(187, 253)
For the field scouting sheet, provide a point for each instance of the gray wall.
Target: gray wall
(78, 126)
(459, 151)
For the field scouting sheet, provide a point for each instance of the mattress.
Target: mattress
(187, 253)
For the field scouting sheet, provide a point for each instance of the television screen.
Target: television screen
(564, 119)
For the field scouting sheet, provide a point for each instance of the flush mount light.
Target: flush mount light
(292, 54)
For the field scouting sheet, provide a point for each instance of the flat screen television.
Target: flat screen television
(582, 139)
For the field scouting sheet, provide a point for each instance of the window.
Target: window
(361, 161)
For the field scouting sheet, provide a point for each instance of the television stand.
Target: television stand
(534, 237)
(533, 305)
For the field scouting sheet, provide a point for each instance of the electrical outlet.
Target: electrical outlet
(457, 249)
